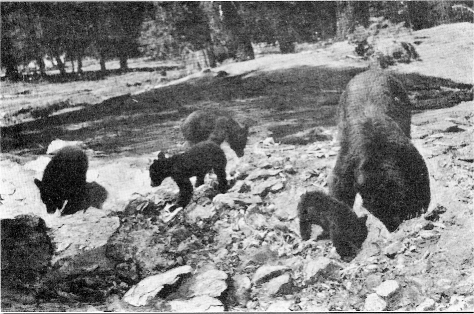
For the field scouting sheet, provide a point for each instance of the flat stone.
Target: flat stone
(263, 188)
(276, 285)
(248, 200)
(210, 282)
(241, 187)
(373, 280)
(266, 272)
(241, 284)
(277, 187)
(221, 201)
(286, 203)
(68, 232)
(374, 303)
(426, 305)
(262, 174)
(393, 249)
(428, 234)
(314, 268)
(197, 304)
(147, 289)
(280, 306)
(387, 288)
(198, 212)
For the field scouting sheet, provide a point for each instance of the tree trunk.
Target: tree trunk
(349, 14)
(123, 59)
(79, 62)
(216, 50)
(102, 62)
(61, 67)
(41, 65)
(237, 40)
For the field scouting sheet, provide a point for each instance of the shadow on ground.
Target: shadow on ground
(303, 97)
(286, 101)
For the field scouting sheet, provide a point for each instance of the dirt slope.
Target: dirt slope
(278, 95)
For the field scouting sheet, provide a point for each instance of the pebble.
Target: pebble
(393, 249)
(428, 234)
(374, 303)
(280, 306)
(387, 288)
(427, 305)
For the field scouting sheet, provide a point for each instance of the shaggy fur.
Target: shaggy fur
(377, 159)
(64, 179)
(202, 125)
(196, 161)
(346, 230)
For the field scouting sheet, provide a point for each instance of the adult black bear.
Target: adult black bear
(64, 179)
(196, 161)
(377, 159)
(202, 125)
(346, 230)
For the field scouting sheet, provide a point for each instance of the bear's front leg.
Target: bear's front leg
(185, 192)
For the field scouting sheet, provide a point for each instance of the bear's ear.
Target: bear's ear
(38, 183)
(161, 155)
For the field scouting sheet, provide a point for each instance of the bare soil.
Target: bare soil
(125, 119)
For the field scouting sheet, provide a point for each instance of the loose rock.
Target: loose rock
(374, 303)
(266, 272)
(387, 288)
(318, 267)
(280, 306)
(146, 289)
(241, 284)
(277, 285)
(393, 249)
(210, 282)
(197, 304)
(427, 305)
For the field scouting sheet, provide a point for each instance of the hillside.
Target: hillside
(243, 247)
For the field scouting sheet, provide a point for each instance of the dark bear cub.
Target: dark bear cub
(346, 230)
(377, 159)
(202, 125)
(64, 179)
(196, 161)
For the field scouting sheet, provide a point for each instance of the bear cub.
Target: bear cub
(202, 125)
(64, 179)
(196, 161)
(377, 159)
(346, 230)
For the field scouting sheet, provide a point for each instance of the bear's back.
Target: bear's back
(205, 153)
(376, 94)
(68, 167)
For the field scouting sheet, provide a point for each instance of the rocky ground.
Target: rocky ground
(241, 251)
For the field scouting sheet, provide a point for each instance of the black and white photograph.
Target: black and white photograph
(237, 156)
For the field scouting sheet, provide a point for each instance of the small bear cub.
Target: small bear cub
(196, 161)
(64, 179)
(346, 230)
(217, 126)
